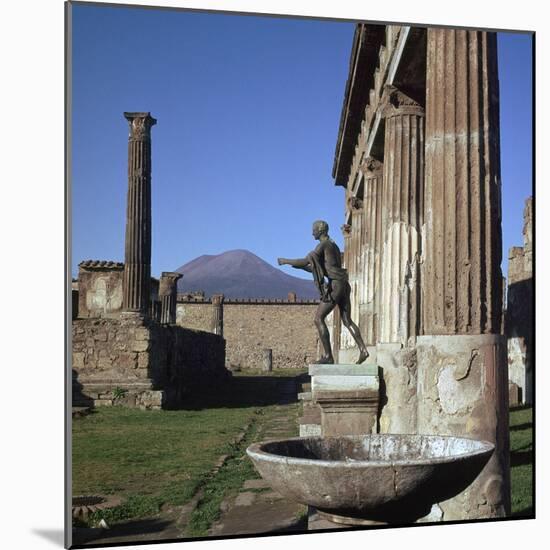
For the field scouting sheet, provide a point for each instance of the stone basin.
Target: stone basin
(371, 478)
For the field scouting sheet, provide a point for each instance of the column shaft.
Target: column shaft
(345, 337)
(168, 294)
(217, 314)
(137, 257)
(403, 204)
(463, 280)
(355, 271)
(372, 171)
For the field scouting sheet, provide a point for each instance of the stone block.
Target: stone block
(348, 396)
(128, 360)
(310, 430)
(142, 333)
(78, 359)
(150, 399)
(343, 369)
(143, 360)
(245, 499)
(104, 363)
(100, 336)
(140, 345)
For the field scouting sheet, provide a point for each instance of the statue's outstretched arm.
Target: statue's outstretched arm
(299, 263)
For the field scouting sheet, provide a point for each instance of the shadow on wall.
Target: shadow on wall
(519, 331)
(79, 399)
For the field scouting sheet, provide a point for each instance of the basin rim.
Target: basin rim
(255, 451)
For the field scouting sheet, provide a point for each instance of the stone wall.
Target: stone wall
(138, 362)
(250, 326)
(100, 288)
(195, 315)
(519, 311)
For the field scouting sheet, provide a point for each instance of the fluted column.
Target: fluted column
(137, 257)
(356, 257)
(168, 294)
(461, 358)
(403, 204)
(463, 226)
(372, 205)
(217, 314)
(347, 259)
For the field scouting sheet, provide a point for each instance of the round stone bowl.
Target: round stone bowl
(371, 478)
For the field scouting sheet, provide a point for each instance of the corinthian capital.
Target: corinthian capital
(140, 125)
(371, 167)
(395, 102)
(355, 203)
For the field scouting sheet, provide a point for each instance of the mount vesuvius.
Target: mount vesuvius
(241, 274)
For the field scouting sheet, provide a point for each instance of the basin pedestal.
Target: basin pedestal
(348, 396)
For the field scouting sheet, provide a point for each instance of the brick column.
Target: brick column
(403, 204)
(168, 293)
(217, 314)
(137, 257)
(372, 206)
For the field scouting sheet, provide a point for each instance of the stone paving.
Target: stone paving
(257, 508)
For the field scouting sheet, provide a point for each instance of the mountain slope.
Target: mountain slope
(241, 274)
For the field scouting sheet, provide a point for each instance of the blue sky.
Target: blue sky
(248, 110)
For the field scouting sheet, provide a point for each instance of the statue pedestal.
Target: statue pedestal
(348, 396)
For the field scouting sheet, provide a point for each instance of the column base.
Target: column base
(463, 391)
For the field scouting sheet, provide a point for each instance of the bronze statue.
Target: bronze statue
(326, 262)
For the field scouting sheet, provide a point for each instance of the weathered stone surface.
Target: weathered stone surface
(463, 391)
(217, 314)
(250, 327)
(168, 294)
(519, 312)
(348, 396)
(388, 478)
(369, 301)
(267, 362)
(439, 250)
(463, 282)
(137, 256)
(99, 288)
(398, 389)
(169, 359)
(402, 217)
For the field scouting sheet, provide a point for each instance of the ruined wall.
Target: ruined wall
(154, 365)
(287, 329)
(519, 312)
(196, 315)
(251, 326)
(100, 288)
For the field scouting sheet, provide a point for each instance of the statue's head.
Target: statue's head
(320, 227)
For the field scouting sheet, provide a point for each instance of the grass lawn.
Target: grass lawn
(151, 458)
(521, 460)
